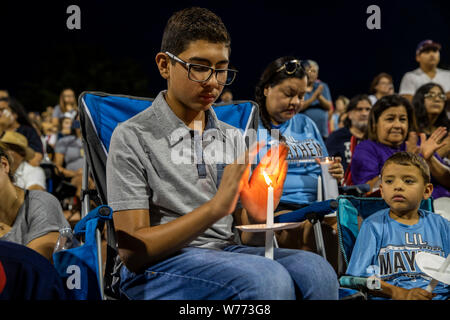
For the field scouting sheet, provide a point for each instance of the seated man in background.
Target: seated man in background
(339, 142)
(26, 176)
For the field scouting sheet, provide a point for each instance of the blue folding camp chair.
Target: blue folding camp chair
(350, 213)
(81, 268)
(100, 113)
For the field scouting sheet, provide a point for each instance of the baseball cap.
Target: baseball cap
(425, 44)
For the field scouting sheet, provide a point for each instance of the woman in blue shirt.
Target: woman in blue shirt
(280, 96)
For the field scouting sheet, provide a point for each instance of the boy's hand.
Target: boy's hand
(254, 192)
(225, 200)
(429, 146)
(411, 294)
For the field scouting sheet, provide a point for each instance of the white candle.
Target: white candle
(329, 183)
(319, 189)
(269, 219)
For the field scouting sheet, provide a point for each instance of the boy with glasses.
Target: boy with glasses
(175, 220)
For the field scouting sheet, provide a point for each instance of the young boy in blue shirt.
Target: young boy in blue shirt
(175, 219)
(391, 238)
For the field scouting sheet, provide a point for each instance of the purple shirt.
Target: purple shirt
(369, 157)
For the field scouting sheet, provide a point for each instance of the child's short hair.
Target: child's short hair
(193, 24)
(409, 159)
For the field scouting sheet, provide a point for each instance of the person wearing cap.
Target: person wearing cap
(26, 176)
(428, 57)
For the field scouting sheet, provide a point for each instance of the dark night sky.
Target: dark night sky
(40, 55)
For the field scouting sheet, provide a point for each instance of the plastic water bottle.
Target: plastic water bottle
(66, 240)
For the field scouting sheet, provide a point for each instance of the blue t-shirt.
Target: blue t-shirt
(315, 112)
(392, 246)
(304, 142)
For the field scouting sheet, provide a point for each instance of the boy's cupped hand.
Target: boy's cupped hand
(254, 191)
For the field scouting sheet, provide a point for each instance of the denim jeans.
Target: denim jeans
(237, 272)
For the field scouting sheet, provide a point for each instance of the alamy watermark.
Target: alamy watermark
(374, 20)
(74, 20)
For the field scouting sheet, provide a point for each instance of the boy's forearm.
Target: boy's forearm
(146, 245)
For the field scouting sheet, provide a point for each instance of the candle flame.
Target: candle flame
(266, 177)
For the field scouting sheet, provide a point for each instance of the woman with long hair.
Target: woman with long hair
(280, 96)
(429, 107)
(67, 106)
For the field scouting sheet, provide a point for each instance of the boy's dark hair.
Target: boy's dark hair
(193, 24)
(409, 159)
(383, 104)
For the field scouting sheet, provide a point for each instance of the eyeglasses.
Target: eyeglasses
(202, 73)
(290, 67)
(432, 95)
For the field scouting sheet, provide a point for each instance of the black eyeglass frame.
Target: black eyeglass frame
(189, 65)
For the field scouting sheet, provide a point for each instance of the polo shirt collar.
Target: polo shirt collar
(168, 122)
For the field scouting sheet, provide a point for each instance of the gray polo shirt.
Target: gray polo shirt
(156, 162)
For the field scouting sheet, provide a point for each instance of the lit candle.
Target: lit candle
(269, 212)
(319, 189)
(330, 186)
(269, 221)
(269, 218)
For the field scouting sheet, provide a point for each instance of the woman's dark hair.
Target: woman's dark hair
(72, 129)
(271, 78)
(18, 108)
(421, 111)
(383, 104)
(193, 24)
(62, 104)
(352, 105)
(5, 155)
(377, 79)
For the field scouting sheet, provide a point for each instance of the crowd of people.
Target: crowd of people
(175, 224)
